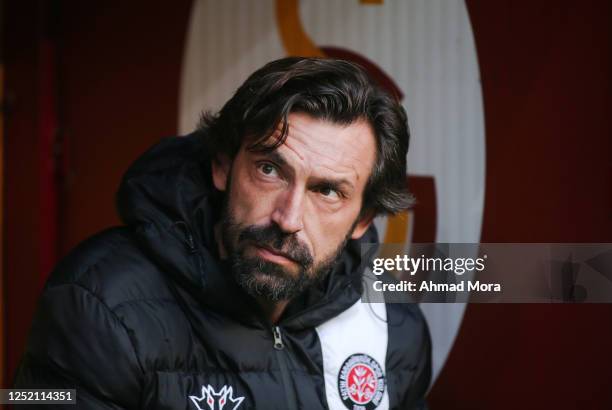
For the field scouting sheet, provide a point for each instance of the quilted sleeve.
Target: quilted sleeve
(77, 342)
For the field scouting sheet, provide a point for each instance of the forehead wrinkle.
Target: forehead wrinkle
(350, 168)
(328, 154)
(315, 153)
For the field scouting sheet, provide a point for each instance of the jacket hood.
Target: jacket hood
(168, 200)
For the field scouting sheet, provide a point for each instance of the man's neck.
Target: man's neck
(272, 310)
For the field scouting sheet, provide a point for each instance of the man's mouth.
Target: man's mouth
(273, 255)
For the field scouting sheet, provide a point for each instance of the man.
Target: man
(236, 282)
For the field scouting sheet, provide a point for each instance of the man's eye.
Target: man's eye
(329, 193)
(268, 169)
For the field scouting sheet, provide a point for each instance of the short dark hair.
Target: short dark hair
(333, 90)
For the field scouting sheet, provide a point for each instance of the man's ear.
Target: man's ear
(363, 224)
(221, 166)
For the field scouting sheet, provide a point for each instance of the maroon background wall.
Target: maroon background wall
(545, 73)
(118, 66)
(545, 69)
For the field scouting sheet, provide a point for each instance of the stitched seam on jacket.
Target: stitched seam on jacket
(222, 371)
(82, 276)
(40, 363)
(112, 247)
(143, 300)
(114, 315)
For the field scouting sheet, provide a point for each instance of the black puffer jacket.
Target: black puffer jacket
(144, 316)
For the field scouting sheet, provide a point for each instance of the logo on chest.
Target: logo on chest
(216, 400)
(361, 382)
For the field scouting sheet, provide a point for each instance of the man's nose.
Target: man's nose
(289, 211)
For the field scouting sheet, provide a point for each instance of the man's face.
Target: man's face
(289, 212)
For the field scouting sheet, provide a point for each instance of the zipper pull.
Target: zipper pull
(189, 241)
(278, 340)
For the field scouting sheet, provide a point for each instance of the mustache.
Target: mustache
(272, 237)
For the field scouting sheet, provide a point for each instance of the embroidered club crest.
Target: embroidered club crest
(361, 382)
(213, 400)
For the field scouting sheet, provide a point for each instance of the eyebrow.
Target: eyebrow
(275, 156)
(280, 160)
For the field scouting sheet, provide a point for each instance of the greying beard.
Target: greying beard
(264, 279)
